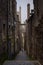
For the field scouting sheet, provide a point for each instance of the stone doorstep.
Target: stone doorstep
(19, 62)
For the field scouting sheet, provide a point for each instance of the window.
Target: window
(3, 26)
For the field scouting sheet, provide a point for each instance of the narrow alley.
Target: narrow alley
(22, 56)
(21, 32)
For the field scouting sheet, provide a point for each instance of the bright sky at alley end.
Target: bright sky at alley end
(23, 4)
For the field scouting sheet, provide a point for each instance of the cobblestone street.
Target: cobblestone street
(21, 59)
(22, 56)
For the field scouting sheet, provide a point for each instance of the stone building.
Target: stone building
(13, 25)
(17, 35)
(19, 13)
(28, 11)
(18, 32)
(8, 17)
(26, 36)
(27, 28)
(37, 32)
(37, 36)
(3, 24)
(22, 30)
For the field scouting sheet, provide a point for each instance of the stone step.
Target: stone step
(21, 62)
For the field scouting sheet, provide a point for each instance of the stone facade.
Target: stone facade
(37, 36)
(19, 14)
(28, 30)
(38, 30)
(35, 30)
(28, 11)
(3, 23)
(17, 37)
(8, 18)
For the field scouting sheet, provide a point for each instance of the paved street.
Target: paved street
(22, 56)
(21, 63)
(21, 59)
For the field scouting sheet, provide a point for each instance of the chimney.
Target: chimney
(28, 11)
(20, 14)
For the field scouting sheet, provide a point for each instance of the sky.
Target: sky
(23, 4)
